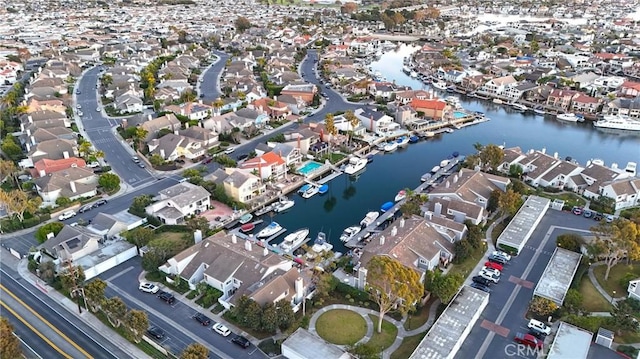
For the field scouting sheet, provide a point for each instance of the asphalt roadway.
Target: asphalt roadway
(508, 301)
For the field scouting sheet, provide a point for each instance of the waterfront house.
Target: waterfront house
(585, 104)
(71, 244)
(345, 126)
(457, 211)
(289, 153)
(238, 268)
(469, 186)
(430, 108)
(414, 242)
(561, 99)
(267, 166)
(517, 91)
(241, 185)
(624, 107)
(595, 175)
(153, 126)
(301, 138)
(629, 89)
(625, 192)
(473, 83)
(496, 87)
(376, 121)
(175, 204)
(72, 183)
(540, 169)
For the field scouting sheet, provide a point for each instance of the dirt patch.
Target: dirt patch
(219, 210)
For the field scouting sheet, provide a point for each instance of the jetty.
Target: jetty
(356, 241)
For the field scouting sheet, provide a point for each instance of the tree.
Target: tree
(11, 148)
(47, 270)
(195, 351)
(218, 103)
(494, 200)
(491, 156)
(390, 284)
(248, 312)
(269, 318)
(348, 8)
(156, 160)
(325, 284)
(115, 309)
(94, 293)
(8, 170)
(140, 236)
(137, 322)
(570, 241)
(139, 204)
(53, 227)
(624, 313)
(109, 181)
(330, 124)
(509, 202)
(443, 286)
(515, 171)
(139, 136)
(364, 351)
(242, 24)
(198, 222)
(614, 241)
(285, 314)
(573, 300)
(17, 203)
(542, 306)
(9, 343)
(71, 278)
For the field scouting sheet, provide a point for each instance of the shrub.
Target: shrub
(628, 350)
(624, 281)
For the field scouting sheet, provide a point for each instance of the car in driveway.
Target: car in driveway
(539, 326)
(149, 288)
(481, 287)
(66, 215)
(528, 340)
(156, 333)
(597, 216)
(221, 329)
(167, 297)
(577, 211)
(202, 319)
(241, 341)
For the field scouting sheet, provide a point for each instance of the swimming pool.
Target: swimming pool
(309, 167)
(458, 114)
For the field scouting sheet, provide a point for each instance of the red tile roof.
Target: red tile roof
(51, 166)
(428, 104)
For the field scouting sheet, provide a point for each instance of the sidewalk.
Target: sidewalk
(594, 281)
(86, 316)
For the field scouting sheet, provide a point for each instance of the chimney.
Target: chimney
(22, 127)
(33, 140)
(197, 236)
(402, 223)
(72, 184)
(265, 252)
(28, 132)
(382, 240)
(394, 231)
(234, 239)
(455, 179)
(186, 125)
(447, 184)
(162, 153)
(544, 150)
(175, 132)
(555, 155)
(247, 246)
(362, 277)
(30, 119)
(65, 154)
(437, 208)
(43, 173)
(50, 235)
(299, 285)
(149, 118)
(28, 146)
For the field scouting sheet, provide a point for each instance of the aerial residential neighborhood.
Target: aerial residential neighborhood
(320, 179)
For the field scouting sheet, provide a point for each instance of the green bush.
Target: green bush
(172, 228)
(591, 323)
(624, 281)
(628, 350)
(192, 294)
(351, 293)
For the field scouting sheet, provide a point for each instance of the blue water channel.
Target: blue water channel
(348, 200)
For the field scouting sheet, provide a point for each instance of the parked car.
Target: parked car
(241, 341)
(202, 319)
(149, 288)
(497, 259)
(587, 213)
(221, 329)
(502, 254)
(85, 208)
(577, 211)
(481, 287)
(481, 280)
(597, 216)
(494, 265)
(242, 157)
(167, 297)
(66, 215)
(610, 218)
(528, 340)
(229, 150)
(207, 160)
(489, 276)
(99, 203)
(135, 159)
(537, 334)
(93, 165)
(98, 109)
(155, 332)
(491, 271)
(539, 326)
(141, 165)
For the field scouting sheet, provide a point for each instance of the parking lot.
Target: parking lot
(493, 334)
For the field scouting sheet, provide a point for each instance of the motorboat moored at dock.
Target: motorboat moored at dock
(349, 233)
(391, 146)
(369, 218)
(284, 204)
(245, 228)
(269, 230)
(402, 194)
(245, 218)
(295, 239)
(386, 206)
(355, 165)
(323, 189)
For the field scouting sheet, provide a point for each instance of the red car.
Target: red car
(494, 265)
(528, 340)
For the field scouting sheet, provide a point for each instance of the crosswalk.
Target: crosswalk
(105, 139)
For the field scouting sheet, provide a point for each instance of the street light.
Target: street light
(613, 298)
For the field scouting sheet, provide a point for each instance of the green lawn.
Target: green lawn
(627, 337)
(466, 266)
(592, 300)
(409, 344)
(341, 326)
(570, 199)
(617, 273)
(415, 320)
(386, 338)
(497, 230)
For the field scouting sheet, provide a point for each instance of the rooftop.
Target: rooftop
(442, 339)
(307, 345)
(557, 277)
(570, 342)
(523, 223)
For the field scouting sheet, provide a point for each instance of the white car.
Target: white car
(98, 109)
(93, 165)
(149, 288)
(539, 326)
(66, 215)
(229, 150)
(488, 276)
(491, 271)
(502, 254)
(221, 329)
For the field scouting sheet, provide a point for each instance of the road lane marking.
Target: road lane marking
(74, 344)
(37, 332)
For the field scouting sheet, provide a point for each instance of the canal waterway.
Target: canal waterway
(348, 200)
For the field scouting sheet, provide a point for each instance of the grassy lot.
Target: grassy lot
(386, 338)
(466, 266)
(409, 344)
(627, 337)
(570, 199)
(592, 300)
(617, 273)
(342, 327)
(172, 236)
(415, 320)
(497, 230)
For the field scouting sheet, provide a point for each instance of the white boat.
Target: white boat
(519, 107)
(569, 117)
(413, 74)
(246, 218)
(439, 84)
(435, 169)
(356, 164)
(402, 194)
(539, 110)
(269, 230)
(403, 141)
(391, 146)
(444, 163)
(497, 101)
(349, 233)
(425, 177)
(618, 123)
(294, 239)
(311, 191)
(631, 168)
(284, 205)
(320, 244)
(369, 218)
(453, 101)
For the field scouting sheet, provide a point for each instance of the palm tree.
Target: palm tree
(330, 124)
(140, 135)
(99, 154)
(353, 121)
(218, 103)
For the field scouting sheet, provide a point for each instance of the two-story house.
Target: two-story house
(625, 192)
(561, 99)
(269, 165)
(175, 204)
(376, 121)
(153, 126)
(71, 244)
(72, 183)
(469, 186)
